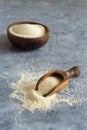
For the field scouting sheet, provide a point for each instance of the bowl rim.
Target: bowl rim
(28, 22)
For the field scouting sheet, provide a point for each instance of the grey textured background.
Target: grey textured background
(67, 46)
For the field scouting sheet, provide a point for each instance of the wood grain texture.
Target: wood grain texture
(63, 75)
(28, 43)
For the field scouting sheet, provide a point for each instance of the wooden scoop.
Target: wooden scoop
(63, 75)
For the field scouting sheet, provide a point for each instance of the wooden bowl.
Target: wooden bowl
(28, 35)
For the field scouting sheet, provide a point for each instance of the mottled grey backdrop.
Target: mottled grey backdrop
(67, 46)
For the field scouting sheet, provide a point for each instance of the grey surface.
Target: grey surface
(67, 46)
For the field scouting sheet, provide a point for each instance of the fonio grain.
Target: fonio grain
(28, 30)
(32, 99)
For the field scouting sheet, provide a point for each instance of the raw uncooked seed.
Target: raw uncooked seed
(48, 84)
(32, 99)
(28, 30)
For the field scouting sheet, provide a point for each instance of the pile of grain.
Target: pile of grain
(31, 99)
(28, 30)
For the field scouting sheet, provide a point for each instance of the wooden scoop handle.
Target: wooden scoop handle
(73, 72)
